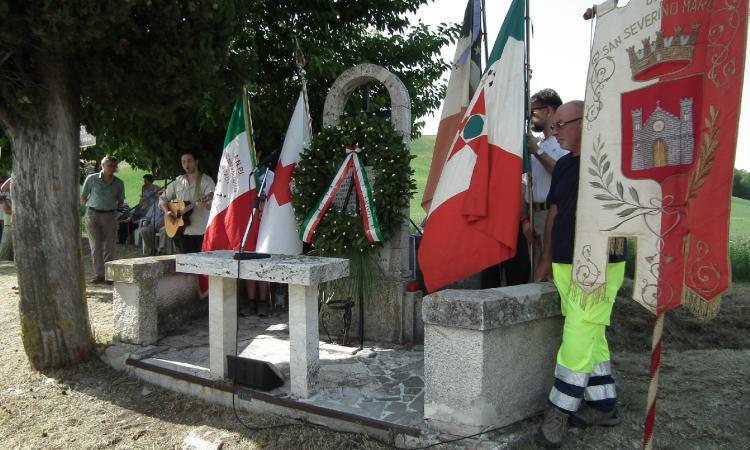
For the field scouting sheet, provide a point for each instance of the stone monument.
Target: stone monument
(387, 314)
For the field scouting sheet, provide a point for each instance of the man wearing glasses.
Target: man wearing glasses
(102, 193)
(544, 156)
(583, 370)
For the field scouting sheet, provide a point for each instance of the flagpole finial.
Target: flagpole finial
(298, 55)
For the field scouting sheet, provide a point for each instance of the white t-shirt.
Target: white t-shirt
(541, 178)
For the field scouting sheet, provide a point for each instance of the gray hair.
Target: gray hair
(108, 158)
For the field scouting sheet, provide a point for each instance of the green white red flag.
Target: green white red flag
(235, 186)
(474, 216)
(465, 74)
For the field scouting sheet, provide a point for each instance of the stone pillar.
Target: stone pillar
(304, 363)
(222, 323)
(489, 355)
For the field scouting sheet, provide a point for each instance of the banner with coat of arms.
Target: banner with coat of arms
(660, 129)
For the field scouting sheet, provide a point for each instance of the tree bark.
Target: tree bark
(47, 237)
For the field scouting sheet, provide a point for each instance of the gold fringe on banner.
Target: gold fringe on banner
(586, 299)
(698, 306)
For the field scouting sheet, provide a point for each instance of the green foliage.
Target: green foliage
(384, 150)
(333, 37)
(741, 184)
(5, 161)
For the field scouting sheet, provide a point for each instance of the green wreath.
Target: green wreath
(341, 232)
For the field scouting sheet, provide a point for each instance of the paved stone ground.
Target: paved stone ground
(379, 383)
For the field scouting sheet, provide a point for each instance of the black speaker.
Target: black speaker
(254, 373)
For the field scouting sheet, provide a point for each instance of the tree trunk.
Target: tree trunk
(46, 224)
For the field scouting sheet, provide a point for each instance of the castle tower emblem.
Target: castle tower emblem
(663, 140)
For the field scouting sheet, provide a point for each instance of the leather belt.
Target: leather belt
(102, 210)
(536, 206)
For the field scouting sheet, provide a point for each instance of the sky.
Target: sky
(559, 51)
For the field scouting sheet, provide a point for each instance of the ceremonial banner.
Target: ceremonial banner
(464, 78)
(278, 229)
(473, 220)
(660, 127)
(235, 186)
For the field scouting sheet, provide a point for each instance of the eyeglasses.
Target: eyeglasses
(561, 124)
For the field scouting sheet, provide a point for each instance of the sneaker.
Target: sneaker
(552, 431)
(587, 416)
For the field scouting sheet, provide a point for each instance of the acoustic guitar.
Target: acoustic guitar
(181, 210)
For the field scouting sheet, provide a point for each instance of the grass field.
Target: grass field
(133, 179)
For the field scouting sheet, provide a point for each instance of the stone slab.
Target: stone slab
(287, 269)
(488, 309)
(136, 269)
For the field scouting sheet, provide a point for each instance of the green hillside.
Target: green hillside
(739, 223)
(422, 149)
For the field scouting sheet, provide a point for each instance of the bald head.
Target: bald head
(567, 126)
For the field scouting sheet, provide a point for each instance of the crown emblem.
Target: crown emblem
(667, 54)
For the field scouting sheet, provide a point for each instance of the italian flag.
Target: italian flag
(235, 186)
(474, 216)
(278, 229)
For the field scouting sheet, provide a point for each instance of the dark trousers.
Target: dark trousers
(514, 271)
(189, 243)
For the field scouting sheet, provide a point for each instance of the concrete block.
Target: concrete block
(149, 298)
(489, 355)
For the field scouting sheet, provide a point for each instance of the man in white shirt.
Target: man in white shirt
(196, 188)
(544, 156)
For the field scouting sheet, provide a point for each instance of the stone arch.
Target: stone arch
(355, 77)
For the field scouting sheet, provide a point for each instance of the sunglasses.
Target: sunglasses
(561, 124)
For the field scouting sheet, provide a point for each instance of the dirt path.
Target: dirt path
(703, 399)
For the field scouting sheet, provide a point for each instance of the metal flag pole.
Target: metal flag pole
(529, 175)
(484, 33)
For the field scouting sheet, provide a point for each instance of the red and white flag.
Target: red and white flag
(278, 229)
(236, 189)
(473, 220)
(464, 79)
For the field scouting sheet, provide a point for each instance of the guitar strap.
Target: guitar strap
(197, 191)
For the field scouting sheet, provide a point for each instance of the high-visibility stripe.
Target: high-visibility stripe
(564, 401)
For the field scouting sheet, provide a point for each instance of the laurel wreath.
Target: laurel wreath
(341, 232)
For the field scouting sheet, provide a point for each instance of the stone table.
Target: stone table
(301, 273)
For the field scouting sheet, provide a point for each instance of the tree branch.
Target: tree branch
(5, 57)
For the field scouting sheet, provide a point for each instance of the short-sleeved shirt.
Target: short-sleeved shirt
(103, 196)
(182, 190)
(563, 193)
(542, 178)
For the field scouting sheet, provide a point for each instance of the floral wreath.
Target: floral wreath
(377, 145)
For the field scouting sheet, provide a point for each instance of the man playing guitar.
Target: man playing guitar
(194, 189)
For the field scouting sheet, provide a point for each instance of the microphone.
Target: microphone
(270, 157)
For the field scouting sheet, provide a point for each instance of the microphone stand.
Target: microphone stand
(242, 255)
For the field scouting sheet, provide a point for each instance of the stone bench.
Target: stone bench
(150, 298)
(489, 355)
